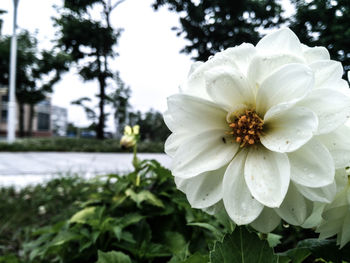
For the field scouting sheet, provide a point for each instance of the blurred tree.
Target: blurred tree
(90, 112)
(119, 99)
(324, 23)
(90, 43)
(213, 25)
(152, 126)
(37, 72)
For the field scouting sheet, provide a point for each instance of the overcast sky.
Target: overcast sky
(149, 58)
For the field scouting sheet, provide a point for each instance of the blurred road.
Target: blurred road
(33, 167)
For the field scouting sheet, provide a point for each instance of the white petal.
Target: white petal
(169, 121)
(229, 88)
(327, 73)
(267, 221)
(315, 54)
(290, 83)
(195, 83)
(327, 230)
(287, 130)
(241, 56)
(203, 152)
(215, 209)
(345, 233)
(341, 179)
(335, 213)
(263, 66)
(237, 58)
(267, 175)
(340, 200)
(312, 165)
(338, 144)
(195, 114)
(203, 190)
(331, 107)
(239, 203)
(194, 67)
(315, 218)
(280, 41)
(174, 141)
(294, 207)
(342, 86)
(324, 194)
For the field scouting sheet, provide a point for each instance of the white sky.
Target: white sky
(149, 60)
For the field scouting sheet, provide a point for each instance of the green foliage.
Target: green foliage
(242, 247)
(136, 218)
(141, 217)
(112, 257)
(33, 207)
(315, 248)
(324, 23)
(76, 145)
(213, 25)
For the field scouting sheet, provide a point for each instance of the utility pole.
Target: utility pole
(11, 108)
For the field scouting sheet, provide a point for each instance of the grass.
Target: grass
(58, 144)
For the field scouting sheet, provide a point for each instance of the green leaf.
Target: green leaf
(326, 249)
(175, 242)
(296, 255)
(222, 216)
(112, 257)
(9, 259)
(196, 258)
(154, 250)
(143, 233)
(128, 237)
(84, 215)
(242, 247)
(63, 238)
(118, 232)
(217, 233)
(129, 219)
(273, 239)
(85, 245)
(146, 196)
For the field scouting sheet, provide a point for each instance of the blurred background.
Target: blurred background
(86, 68)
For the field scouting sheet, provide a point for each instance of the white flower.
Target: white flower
(336, 215)
(260, 128)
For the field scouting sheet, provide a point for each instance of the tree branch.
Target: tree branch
(117, 3)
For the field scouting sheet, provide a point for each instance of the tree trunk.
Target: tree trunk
(21, 120)
(31, 117)
(101, 118)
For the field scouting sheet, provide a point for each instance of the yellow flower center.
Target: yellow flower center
(247, 128)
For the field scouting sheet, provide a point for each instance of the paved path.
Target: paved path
(34, 167)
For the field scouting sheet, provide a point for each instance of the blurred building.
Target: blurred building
(45, 120)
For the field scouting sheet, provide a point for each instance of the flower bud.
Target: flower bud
(128, 141)
(136, 129)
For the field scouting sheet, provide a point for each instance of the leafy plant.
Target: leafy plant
(141, 215)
